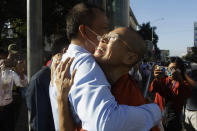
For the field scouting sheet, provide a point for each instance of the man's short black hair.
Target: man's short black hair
(59, 44)
(81, 14)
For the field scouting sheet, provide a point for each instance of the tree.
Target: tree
(192, 56)
(13, 12)
(145, 30)
(12, 17)
(10, 9)
(54, 15)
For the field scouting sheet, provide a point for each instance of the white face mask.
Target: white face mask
(92, 43)
(97, 35)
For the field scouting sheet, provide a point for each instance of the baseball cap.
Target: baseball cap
(12, 48)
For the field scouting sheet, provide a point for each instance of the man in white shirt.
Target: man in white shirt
(90, 95)
(7, 78)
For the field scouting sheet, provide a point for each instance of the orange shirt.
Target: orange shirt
(175, 93)
(127, 92)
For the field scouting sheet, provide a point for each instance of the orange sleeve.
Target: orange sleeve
(158, 85)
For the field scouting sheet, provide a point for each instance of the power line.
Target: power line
(180, 31)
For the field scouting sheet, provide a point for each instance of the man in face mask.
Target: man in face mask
(85, 31)
(90, 96)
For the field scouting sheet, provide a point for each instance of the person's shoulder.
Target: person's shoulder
(83, 59)
(13, 73)
(79, 53)
(44, 71)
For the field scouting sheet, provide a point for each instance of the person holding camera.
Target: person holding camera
(172, 88)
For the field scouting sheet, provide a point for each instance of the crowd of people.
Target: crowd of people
(12, 76)
(95, 82)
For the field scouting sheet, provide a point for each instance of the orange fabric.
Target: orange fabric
(126, 92)
(165, 91)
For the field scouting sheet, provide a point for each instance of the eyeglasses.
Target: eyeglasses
(113, 37)
(171, 70)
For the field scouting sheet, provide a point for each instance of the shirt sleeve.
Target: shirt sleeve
(178, 92)
(161, 86)
(18, 81)
(96, 106)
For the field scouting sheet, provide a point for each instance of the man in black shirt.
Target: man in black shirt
(191, 104)
(37, 95)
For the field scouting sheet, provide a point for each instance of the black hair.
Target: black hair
(180, 64)
(59, 44)
(3, 52)
(81, 14)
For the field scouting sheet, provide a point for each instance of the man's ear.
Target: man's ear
(82, 31)
(130, 58)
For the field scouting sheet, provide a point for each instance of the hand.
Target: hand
(176, 75)
(158, 73)
(55, 62)
(63, 80)
(20, 69)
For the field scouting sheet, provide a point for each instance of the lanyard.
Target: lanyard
(172, 85)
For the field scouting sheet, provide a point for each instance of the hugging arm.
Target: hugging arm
(96, 107)
(64, 83)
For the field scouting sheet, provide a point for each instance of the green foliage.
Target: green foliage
(54, 15)
(192, 56)
(14, 12)
(19, 26)
(146, 31)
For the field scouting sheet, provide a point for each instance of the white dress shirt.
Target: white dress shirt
(7, 79)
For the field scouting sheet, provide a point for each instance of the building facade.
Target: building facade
(189, 50)
(118, 12)
(132, 20)
(195, 34)
(164, 55)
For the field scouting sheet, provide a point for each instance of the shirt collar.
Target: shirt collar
(73, 46)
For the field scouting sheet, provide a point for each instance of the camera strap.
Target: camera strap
(170, 82)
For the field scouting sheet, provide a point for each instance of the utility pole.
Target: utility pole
(152, 34)
(160, 19)
(34, 37)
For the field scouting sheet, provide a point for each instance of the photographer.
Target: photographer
(171, 88)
